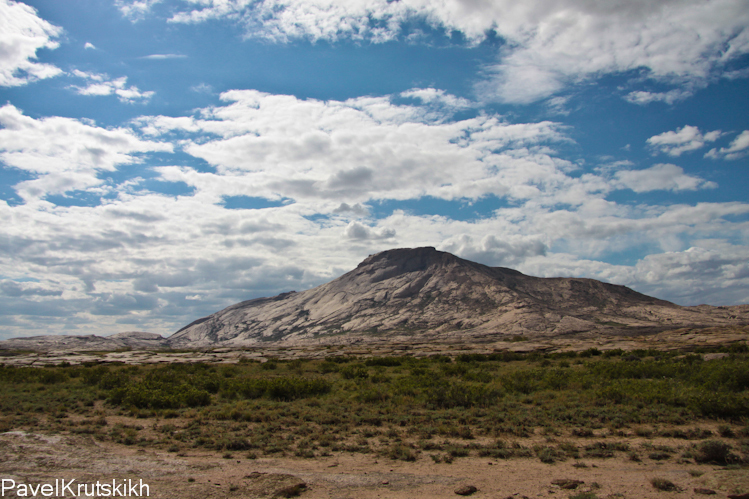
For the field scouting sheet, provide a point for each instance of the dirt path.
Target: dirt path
(34, 459)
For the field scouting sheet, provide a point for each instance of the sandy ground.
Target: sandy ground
(36, 459)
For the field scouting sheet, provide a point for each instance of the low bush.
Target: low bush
(401, 452)
(446, 396)
(712, 451)
(664, 485)
(354, 371)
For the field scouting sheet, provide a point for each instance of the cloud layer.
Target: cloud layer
(319, 173)
(547, 45)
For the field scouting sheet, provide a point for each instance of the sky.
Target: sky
(163, 159)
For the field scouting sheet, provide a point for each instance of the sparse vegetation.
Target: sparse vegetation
(403, 408)
(664, 485)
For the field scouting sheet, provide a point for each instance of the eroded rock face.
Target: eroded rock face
(118, 341)
(425, 292)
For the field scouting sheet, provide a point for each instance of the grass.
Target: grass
(401, 407)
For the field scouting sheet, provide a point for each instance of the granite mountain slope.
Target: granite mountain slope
(427, 293)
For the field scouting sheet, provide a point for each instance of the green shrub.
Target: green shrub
(354, 371)
(282, 388)
(384, 361)
(373, 396)
(664, 485)
(720, 404)
(549, 455)
(451, 395)
(524, 382)
(726, 431)
(712, 451)
(401, 452)
(50, 376)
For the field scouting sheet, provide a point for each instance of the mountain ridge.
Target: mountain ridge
(423, 292)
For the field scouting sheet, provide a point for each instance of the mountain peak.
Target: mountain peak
(422, 254)
(426, 293)
(406, 260)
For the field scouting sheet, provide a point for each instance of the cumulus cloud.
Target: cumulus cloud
(661, 177)
(738, 148)
(355, 210)
(102, 84)
(687, 275)
(160, 261)
(685, 139)
(22, 34)
(506, 250)
(362, 149)
(548, 45)
(356, 230)
(64, 154)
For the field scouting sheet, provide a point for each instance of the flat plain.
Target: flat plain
(652, 416)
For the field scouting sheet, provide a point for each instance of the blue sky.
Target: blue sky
(163, 159)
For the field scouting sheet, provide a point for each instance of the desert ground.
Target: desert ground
(46, 437)
(35, 458)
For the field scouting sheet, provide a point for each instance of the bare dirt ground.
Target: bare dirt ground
(36, 459)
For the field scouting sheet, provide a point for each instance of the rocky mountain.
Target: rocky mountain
(425, 293)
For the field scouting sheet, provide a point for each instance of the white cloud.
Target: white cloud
(558, 105)
(661, 177)
(89, 46)
(159, 261)
(437, 96)
(362, 149)
(689, 276)
(135, 9)
(357, 210)
(202, 88)
(685, 139)
(493, 250)
(548, 45)
(64, 154)
(22, 34)
(101, 84)
(357, 230)
(161, 57)
(672, 96)
(738, 148)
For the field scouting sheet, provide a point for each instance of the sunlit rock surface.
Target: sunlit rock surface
(425, 293)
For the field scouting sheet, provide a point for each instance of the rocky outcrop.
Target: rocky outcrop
(118, 341)
(426, 293)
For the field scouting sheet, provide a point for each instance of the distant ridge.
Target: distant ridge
(129, 340)
(425, 293)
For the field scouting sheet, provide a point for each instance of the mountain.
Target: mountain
(425, 293)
